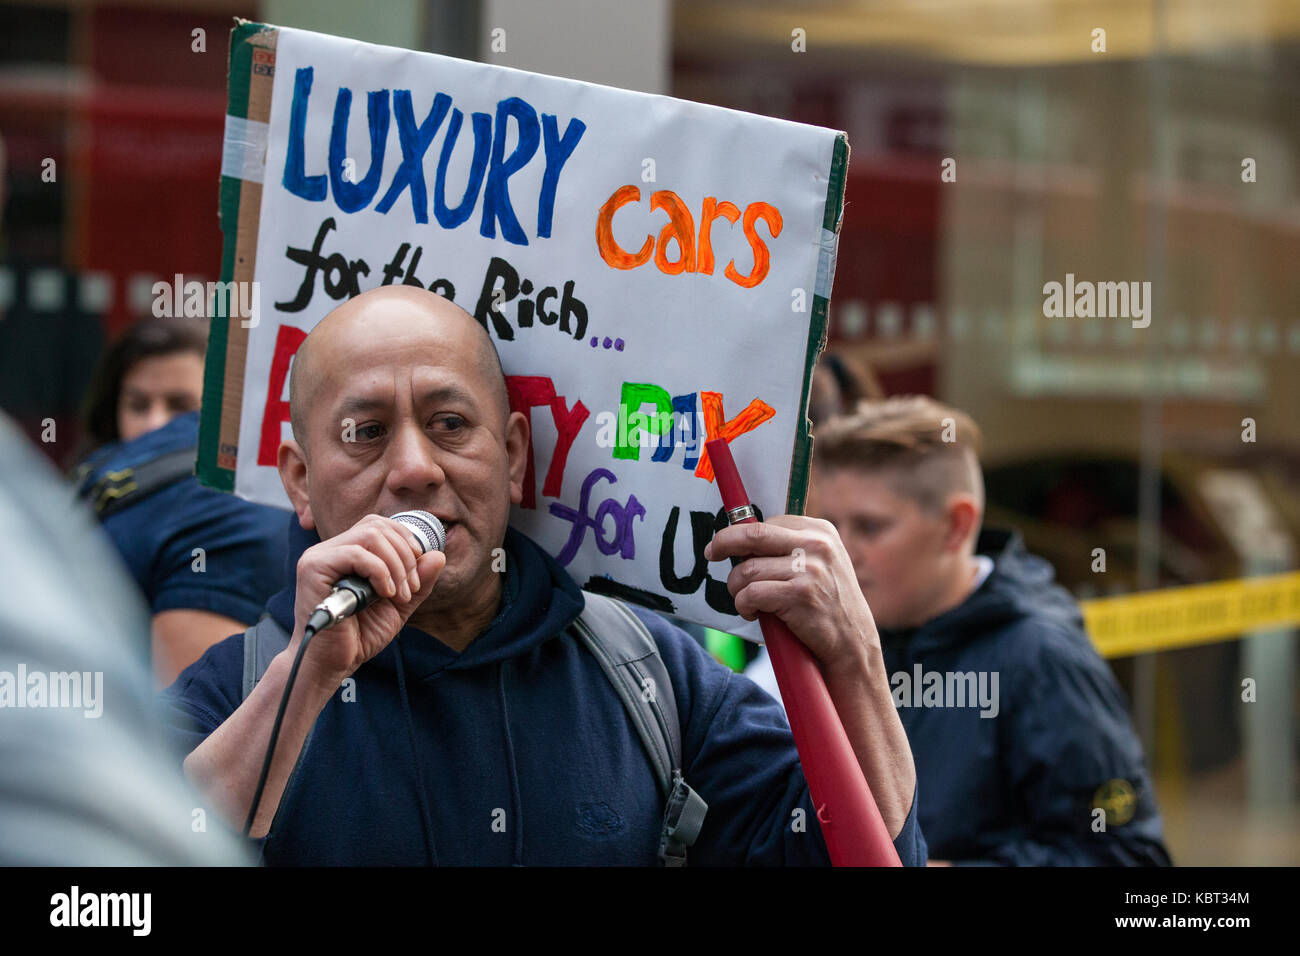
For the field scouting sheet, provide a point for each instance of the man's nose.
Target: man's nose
(412, 460)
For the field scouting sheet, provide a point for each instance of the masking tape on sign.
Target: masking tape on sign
(244, 151)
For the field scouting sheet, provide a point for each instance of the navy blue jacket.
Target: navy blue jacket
(244, 544)
(1019, 788)
(520, 749)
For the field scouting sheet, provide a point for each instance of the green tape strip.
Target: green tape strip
(801, 459)
(214, 378)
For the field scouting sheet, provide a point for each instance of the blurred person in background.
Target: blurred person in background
(838, 384)
(1025, 752)
(85, 779)
(205, 560)
(151, 374)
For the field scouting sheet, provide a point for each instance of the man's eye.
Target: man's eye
(369, 432)
(450, 423)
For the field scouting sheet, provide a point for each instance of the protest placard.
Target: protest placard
(653, 273)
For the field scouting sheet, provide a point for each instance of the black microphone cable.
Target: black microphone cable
(308, 633)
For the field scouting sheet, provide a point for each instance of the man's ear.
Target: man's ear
(963, 521)
(517, 451)
(292, 464)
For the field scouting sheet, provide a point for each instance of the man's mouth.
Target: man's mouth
(447, 524)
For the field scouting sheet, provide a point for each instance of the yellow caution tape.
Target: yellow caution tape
(1200, 614)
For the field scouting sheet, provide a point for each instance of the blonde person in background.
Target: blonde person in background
(1020, 733)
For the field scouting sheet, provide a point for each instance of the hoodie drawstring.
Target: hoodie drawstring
(415, 754)
(510, 757)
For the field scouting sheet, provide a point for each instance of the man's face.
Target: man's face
(897, 549)
(404, 416)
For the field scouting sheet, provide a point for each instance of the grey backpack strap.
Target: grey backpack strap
(630, 660)
(262, 642)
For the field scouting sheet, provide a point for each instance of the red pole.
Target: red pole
(851, 823)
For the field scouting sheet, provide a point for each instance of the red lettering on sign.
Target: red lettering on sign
(755, 413)
(526, 393)
(287, 341)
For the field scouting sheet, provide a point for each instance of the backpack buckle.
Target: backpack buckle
(683, 820)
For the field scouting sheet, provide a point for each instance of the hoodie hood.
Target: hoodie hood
(1019, 586)
(538, 601)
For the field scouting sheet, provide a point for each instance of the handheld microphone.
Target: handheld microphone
(355, 593)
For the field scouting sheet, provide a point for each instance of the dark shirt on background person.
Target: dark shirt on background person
(1020, 789)
(241, 563)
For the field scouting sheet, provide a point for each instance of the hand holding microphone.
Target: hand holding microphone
(363, 585)
(372, 577)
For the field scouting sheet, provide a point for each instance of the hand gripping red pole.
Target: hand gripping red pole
(851, 824)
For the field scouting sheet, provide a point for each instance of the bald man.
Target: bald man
(459, 719)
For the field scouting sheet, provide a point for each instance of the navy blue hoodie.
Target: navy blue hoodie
(1018, 786)
(517, 750)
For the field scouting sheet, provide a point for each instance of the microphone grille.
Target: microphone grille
(428, 530)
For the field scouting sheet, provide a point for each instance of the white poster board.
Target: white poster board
(653, 273)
